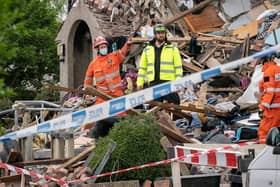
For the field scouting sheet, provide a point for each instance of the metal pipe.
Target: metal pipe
(41, 114)
(6, 111)
(16, 118)
(50, 109)
(39, 102)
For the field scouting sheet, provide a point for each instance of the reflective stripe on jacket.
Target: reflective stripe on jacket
(271, 87)
(170, 64)
(106, 72)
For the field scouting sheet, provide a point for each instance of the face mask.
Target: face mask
(103, 51)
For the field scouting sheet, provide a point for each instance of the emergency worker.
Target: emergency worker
(269, 107)
(105, 71)
(160, 62)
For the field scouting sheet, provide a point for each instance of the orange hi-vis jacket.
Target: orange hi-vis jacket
(270, 86)
(270, 99)
(264, 68)
(106, 72)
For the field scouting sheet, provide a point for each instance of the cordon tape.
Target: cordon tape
(121, 104)
(232, 163)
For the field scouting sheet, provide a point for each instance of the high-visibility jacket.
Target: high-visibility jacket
(271, 87)
(264, 68)
(170, 64)
(106, 72)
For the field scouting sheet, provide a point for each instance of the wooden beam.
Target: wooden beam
(199, 39)
(224, 90)
(165, 119)
(40, 162)
(171, 4)
(183, 14)
(208, 55)
(80, 156)
(188, 108)
(191, 67)
(88, 91)
(192, 59)
(173, 134)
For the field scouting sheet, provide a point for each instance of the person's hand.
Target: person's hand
(129, 40)
(139, 88)
(87, 86)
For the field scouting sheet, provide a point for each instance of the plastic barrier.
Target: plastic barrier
(121, 104)
(179, 158)
(227, 159)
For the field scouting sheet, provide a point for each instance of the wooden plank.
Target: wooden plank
(14, 156)
(191, 67)
(14, 180)
(211, 38)
(40, 162)
(224, 90)
(207, 21)
(181, 15)
(221, 38)
(107, 97)
(171, 4)
(188, 108)
(251, 29)
(212, 62)
(202, 95)
(165, 119)
(165, 143)
(179, 113)
(176, 177)
(153, 110)
(192, 59)
(88, 91)
(173, 134)
(77, 158)
(208, 55)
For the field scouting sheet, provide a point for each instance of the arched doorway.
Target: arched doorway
(82, 53)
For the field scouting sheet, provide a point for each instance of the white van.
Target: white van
(264, 170)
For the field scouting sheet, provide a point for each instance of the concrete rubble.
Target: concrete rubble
(219, 110)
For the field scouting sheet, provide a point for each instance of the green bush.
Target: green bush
(138, 142)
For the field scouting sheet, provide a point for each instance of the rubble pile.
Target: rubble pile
(220, 110)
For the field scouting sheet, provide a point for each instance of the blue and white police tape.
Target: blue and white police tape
(121, 104)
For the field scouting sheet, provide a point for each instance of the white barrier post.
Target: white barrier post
(176, 176)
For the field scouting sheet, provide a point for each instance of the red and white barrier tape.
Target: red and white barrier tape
(179, 158)
(32, 174)
(227, 159)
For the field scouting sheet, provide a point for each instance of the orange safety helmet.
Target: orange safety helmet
(98, 41)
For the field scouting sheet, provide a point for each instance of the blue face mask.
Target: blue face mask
(103, 51)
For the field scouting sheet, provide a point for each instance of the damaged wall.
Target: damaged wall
(76, 35)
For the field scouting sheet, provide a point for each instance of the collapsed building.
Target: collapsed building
(208, 33)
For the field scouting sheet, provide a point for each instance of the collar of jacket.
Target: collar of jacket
(153, 41)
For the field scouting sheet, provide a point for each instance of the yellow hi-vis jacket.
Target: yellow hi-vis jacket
(170, 64)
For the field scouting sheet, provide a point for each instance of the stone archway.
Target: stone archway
(82, 52)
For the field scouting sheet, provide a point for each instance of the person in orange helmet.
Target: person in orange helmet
(105, 70)
(269, 107)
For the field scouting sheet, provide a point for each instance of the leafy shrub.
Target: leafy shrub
(137, 139)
